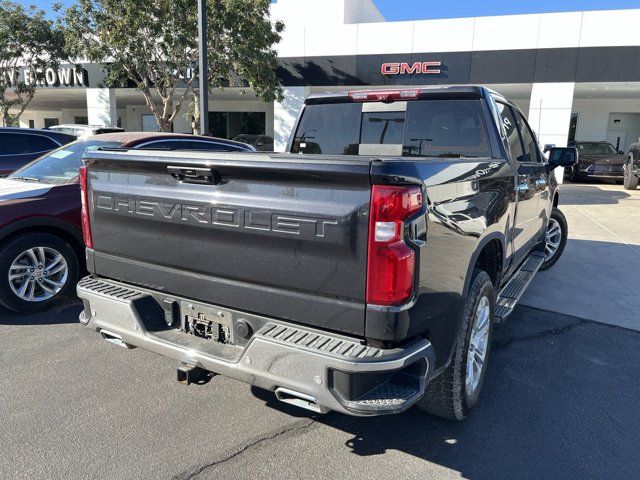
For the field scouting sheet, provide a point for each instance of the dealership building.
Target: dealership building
(576, 75)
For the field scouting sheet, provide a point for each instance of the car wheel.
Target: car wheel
(555, 238)
(630, 180)
(37, 271)
(455, 392)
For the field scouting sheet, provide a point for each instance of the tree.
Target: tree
(154, 46)
(240, 48)
(30, 44)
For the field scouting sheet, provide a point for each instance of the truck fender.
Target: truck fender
(495, 235)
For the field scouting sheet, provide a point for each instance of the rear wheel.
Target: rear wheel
(630, 180)
(555, 238)
(37, 271)
(455, 392)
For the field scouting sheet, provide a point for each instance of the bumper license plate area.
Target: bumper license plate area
(206, 322)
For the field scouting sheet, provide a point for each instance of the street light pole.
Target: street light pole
(203, 69)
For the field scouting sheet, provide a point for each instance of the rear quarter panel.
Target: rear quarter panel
(468, 204)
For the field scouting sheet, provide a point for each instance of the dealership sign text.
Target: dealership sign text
(417, 68)
(50, 77)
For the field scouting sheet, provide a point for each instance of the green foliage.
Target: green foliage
(153, 44)
(240, 46)
(29, 44)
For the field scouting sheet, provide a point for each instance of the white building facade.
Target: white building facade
(576, 75)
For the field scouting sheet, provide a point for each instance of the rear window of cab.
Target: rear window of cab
(421, 128)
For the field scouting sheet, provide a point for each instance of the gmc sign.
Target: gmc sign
(417, 68)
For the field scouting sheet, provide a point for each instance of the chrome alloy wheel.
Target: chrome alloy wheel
(478, 345)
(553, 239)
(38, 274)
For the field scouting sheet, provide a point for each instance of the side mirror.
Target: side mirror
(562, 157)
(620, 152)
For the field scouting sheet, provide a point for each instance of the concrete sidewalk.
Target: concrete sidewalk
(598, 276)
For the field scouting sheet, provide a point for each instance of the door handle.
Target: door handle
(207, 176)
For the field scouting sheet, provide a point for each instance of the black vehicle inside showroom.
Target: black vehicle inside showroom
(597, 160)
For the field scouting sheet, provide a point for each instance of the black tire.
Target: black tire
(630, 180)
(447, 395)
(559, 217)
(11, 250)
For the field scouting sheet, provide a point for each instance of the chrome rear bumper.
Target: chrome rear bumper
(310, 368)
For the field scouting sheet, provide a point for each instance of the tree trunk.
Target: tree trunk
(195, 119)
(164, 125)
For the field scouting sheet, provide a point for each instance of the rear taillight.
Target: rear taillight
(390, 262)
(84, 198)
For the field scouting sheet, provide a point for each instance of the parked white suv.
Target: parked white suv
(85, 130)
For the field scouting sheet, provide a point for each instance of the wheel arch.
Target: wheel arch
(68, 232)
(489, 256)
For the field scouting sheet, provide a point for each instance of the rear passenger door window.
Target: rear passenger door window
(531, 153)
(509, 124)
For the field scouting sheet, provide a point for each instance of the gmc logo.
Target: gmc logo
(424, 68)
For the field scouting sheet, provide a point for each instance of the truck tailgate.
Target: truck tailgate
(271, 234)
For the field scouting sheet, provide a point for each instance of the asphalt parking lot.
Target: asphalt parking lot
(560, 399)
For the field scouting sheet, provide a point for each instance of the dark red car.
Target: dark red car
(41, 248)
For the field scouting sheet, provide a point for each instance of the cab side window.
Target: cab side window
(510, 126)
(531, 150)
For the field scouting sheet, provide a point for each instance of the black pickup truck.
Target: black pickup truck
(361, 272)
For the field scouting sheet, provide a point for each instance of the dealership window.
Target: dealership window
(81, 120)
(150, 123)
(573, 127)
(232, 124)
(51, 122)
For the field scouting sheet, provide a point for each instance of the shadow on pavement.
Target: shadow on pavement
(68, 312)
(583, 194)
(592, 280)
(560, 401)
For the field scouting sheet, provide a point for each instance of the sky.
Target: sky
(424, 9)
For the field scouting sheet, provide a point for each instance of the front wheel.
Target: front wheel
(555, 238)
(454, 393)
(37, 271)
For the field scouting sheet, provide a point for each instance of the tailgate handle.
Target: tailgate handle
(207, 176)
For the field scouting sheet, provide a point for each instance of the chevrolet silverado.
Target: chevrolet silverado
(362, 271)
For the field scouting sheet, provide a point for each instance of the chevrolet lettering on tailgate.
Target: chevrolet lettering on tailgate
(214, 215)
